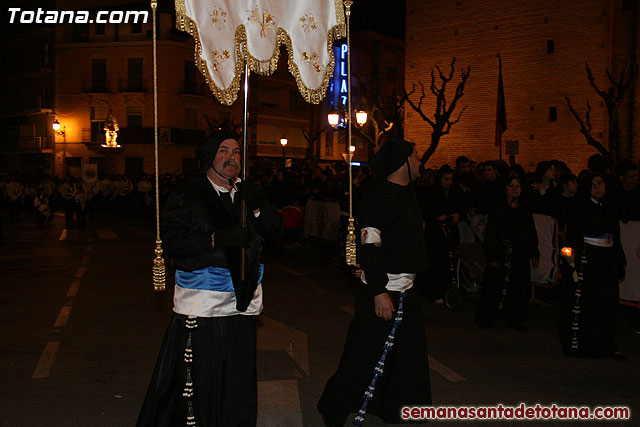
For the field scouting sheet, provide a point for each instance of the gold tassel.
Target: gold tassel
(351, 244)
(158, 262)
(158, 269)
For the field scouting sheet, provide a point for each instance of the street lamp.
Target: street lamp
(56, 127)
(361, 117)
(63, 133)
(283, 142)
(334, 118)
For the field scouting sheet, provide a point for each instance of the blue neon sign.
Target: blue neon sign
(343, 74)
(339, 84)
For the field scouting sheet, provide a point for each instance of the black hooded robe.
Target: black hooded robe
(601, 269)
(394, 210)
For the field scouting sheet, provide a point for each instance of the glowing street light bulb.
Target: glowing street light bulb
(361, 118)
(333, 117)
(283, 140)
(56, 125)
(352, 148)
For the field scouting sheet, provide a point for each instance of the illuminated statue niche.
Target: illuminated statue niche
(111, 129)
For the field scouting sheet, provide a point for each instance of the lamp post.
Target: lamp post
(283, 142)
(335, 118)
(63, 133)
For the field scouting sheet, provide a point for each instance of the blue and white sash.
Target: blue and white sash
(208, 292)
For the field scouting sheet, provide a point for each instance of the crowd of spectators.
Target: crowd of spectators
(494, 198)
(27, 197)
(448, 194)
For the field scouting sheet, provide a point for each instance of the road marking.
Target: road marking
(273, 335)
(63, 235)
(46, 360)
(85, 260)
(106, 233)
(73, 289)
(279, 404)
(80, 272)
(317, 289)
(447, 373)
(63, 317)
(349, 310)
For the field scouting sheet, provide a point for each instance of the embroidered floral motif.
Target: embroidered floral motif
(265, 21)
(313, 60)
(309, 23)
(219, 17)
(219, 58)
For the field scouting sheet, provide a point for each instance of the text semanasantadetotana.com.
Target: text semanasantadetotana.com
(41, 16)
(521, 412)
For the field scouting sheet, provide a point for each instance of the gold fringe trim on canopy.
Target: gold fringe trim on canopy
(229, 95)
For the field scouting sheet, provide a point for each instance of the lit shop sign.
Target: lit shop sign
(339, 83)
(342, 74)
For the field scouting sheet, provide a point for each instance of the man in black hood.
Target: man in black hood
(206, 370)
(384, 364)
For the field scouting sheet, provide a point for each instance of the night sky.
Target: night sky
(384, 17)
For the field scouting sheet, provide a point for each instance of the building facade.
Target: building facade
(544, 46)
(86, 76)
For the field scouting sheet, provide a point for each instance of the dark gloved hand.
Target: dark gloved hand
(250, 193)
(232, 237)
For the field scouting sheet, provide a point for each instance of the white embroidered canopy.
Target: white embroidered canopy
(228, 31)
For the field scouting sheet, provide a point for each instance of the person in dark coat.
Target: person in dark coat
(384, 365)
(206, 371)
(628, 194)
(589, 304)
(443, 209)
(559, 201)
(511, 246)
(489, 192)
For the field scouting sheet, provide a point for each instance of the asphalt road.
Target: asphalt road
(80, 329)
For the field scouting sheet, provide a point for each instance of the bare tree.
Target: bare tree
(312, 135)
(441, 122)
(612, 98)
(385, 114)
(227, 125)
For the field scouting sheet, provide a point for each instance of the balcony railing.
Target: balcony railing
(25, 104)
(95, 86)
(128, 85)
(26, 144)
(174, 136)
(135, 136)
(28, 64)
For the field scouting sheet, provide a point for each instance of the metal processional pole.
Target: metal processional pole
(351, 238)
(243, 204)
